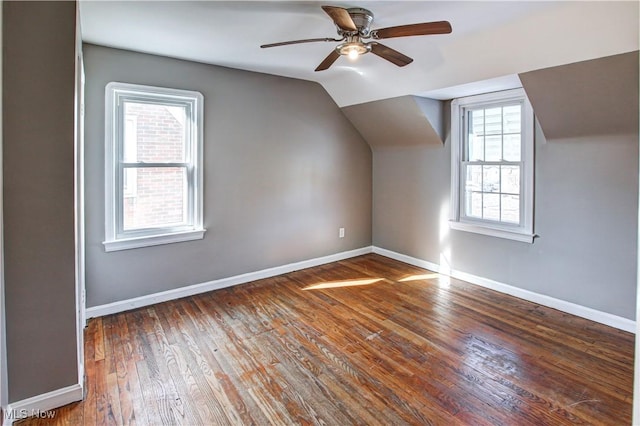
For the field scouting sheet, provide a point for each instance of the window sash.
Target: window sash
(189, 216)
(189, 191)
(465, 163)
(463, 190)
(467, 112)
(121, 117)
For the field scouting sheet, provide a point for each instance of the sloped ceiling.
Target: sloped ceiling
(587, 98)
(490, 38)
(401, 121)
(593, 97)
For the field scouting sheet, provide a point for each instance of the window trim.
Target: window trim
(116, 239)
(524, 231)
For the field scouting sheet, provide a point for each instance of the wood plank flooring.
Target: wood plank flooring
(384, 343)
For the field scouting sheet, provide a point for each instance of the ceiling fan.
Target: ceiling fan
(353, 27)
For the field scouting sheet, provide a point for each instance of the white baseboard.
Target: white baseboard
(39, 405)
(551, 302)
(164, 296)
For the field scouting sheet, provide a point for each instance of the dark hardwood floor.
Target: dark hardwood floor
(384, 344)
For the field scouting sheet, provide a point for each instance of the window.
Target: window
(153, 166)
(492, 152)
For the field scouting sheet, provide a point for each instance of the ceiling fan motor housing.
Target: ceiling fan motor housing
(362, 18)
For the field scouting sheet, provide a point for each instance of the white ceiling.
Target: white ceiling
(491, 41)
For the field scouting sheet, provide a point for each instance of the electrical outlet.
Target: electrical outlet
(341, 232)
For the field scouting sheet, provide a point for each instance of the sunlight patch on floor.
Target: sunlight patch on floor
(419, 277)
(442, 280)
(343, 283)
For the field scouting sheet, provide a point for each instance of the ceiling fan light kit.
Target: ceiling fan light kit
(353, 48)
(353, 25)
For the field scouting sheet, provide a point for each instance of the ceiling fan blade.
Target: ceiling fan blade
(426, 28)
(341, 18)
(328, 61)
(390, 55)
(307, 40)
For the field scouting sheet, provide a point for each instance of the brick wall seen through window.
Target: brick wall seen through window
(157, 195)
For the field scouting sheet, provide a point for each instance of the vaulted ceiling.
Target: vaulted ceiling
(491, 41)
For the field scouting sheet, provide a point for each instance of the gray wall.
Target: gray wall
(585, 213)
(38, 165)
(284, 169)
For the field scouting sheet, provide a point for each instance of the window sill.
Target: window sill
(155, 240)
(525, 237)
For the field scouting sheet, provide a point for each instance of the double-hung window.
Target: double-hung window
(492, 165)
(153, 166)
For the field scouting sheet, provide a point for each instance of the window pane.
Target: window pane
(475, 139)
(476, 122)
(129, 182)
(511, 118)
(160, 199)
(491, 206)
(493, 148)
(510, 179)
(130, 138)
(476, 148)
(473, 204)
(474, 178)
(493, 121)
(491, 178)
(159, 134)
(512, 147)
(510, 211)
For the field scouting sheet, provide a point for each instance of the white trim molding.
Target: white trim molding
(524, 237)
(39, 405)
(541, 299)
(156, 240)
(164, 296)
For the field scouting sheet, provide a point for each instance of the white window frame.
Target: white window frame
(116, 238)
(520, 232)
